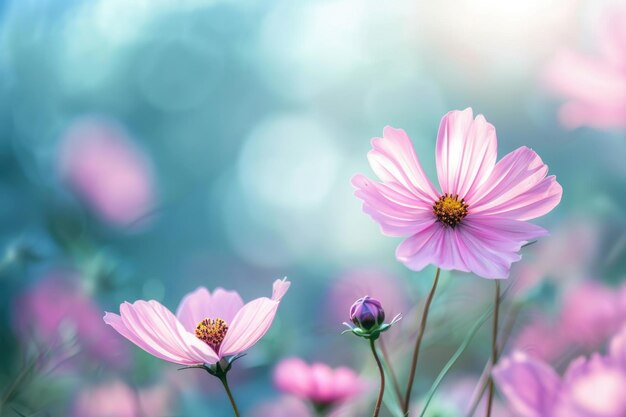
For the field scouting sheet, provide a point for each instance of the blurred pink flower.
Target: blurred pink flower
(57, 314)
(207, 327)
(566, 258)
(594, 86)
(477, 223)
(116, 399)
(109, 172)
(542, 339)
(591, 313)
(318, 383)
(590, 387)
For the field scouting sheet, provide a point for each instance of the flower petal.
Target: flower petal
(190, 311)
(529, 385)
(393, 160)
(200, 304)
(422, 248)
(291, 375)
(249, 325)
(489, 245)
(279, 289)
(322, 377)
(518, 188)
(466, 152)
(155, 329)
(397, 214)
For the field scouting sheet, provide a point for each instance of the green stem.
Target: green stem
(230, 394)
(418, 342)
(379, 401)
(494, 346)
(454, 358)
(392, 373)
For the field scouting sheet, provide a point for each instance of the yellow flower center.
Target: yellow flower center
(212, 332)
(450, 210)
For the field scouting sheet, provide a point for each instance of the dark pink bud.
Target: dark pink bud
(367, 313)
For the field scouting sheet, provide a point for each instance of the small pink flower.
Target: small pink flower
(206, 328)
(591, 387)
(57, 313)
(110, 173)
(317, 383)
(110, 399)
(591, 313)
(594, 86)
(478, 222)
(116, 398)
(542, 339)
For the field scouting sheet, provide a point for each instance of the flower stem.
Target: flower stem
(392, 373)
(494, 346)
(230, 394)
(379, 401)
(418, 342)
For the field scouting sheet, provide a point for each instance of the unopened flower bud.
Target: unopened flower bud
(367, 313)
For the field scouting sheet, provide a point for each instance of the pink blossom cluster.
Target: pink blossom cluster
(590, 387)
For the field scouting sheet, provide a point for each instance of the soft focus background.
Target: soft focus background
(148, 147)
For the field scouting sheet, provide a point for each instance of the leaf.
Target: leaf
(444, 371)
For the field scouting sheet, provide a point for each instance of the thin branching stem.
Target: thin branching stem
(418, 342)
(379, 401)
(494, 347)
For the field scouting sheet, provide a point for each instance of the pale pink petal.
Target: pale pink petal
(224, 305)
(249, 325)
(423, 248)
(200, 304)
(585, 78)
(529, 385)
(193, 307)
(393, 160)
(573, 114)
(155, 329)
(613, 36)
(617, 350)
(322, 383)
(489, 245)
(279, 289)
(466, 152)
(346, 383)
(291, 375)
(595, 88)
(396, 213)
(116, 322)
(518, 188)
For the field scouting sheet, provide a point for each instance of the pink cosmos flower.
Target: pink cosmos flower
(107, 170)
(542, 339)
(317, 383)
(206, 328)
(594, 86)
(591, 313)
(477, 222)
(57, 314)
(590, 387)
(116, 398)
